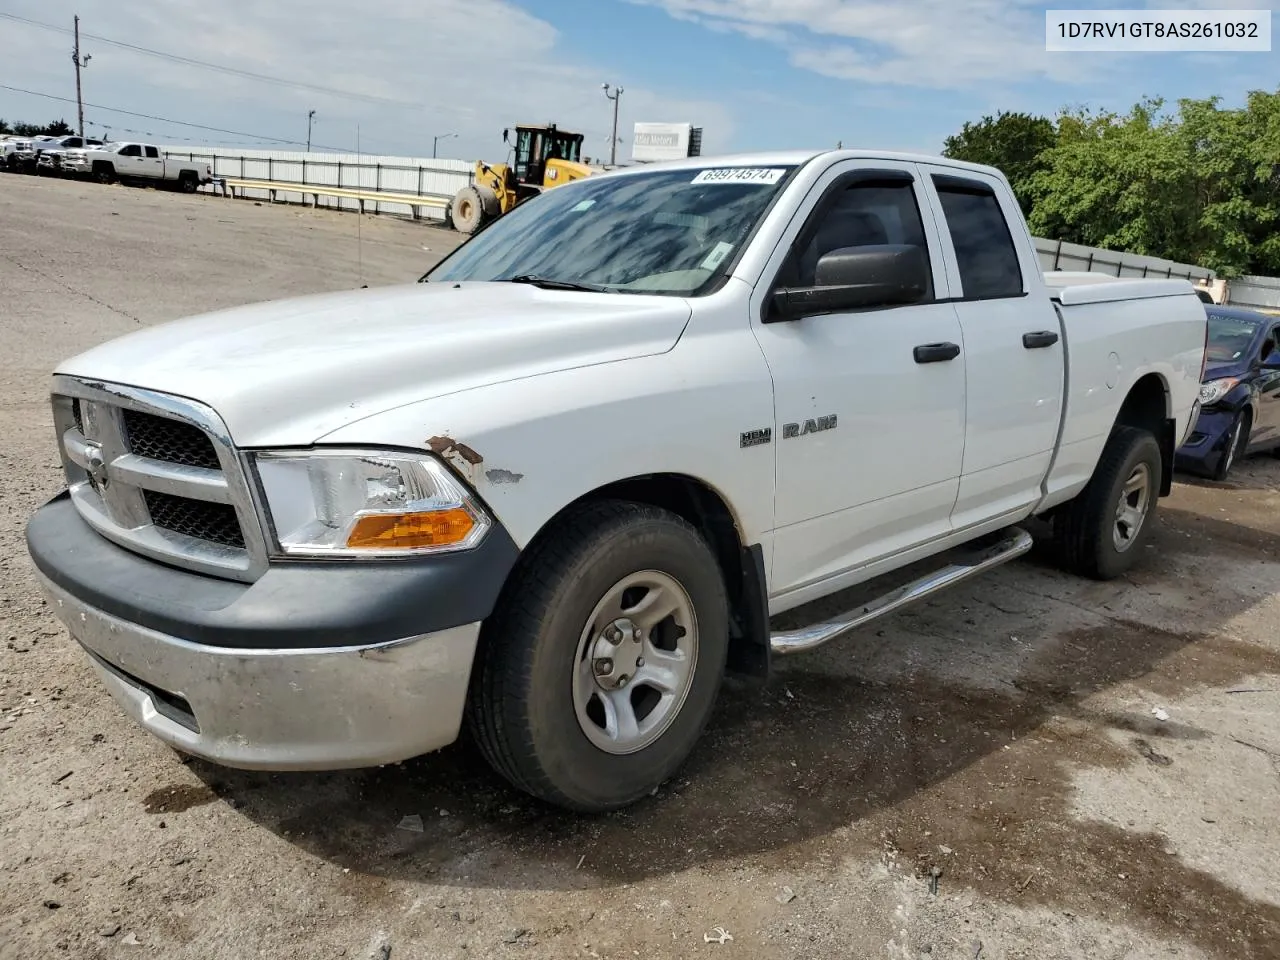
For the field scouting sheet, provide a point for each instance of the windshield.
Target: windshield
(1230, 337)
(669, 232)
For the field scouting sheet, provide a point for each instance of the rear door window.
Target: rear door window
(985, 251)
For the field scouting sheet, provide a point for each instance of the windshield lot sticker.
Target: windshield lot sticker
(762, 175)
(717, 255)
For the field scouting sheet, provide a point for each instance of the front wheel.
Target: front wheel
(1237, 437)
(1102, 531)
(467, 211)
(603, 660)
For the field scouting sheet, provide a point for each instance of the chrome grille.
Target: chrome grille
(215, 522)
(158, 475)
(170, 441)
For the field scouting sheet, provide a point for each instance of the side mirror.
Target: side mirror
(1271, 361)
(506, 134)
(854, 278)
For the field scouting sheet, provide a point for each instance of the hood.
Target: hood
(1226, 368)
(290, 371)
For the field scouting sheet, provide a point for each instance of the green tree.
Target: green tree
(1198, 185)
(1013, 142)
(4, 127)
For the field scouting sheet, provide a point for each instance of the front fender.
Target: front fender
(530, 447)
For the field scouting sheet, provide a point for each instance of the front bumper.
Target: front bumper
(312, 667)
(1207, 444)
(319, 709)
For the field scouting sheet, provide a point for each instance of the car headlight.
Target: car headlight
(1215, 390)
(348, 503)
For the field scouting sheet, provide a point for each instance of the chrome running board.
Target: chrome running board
(1013, 543)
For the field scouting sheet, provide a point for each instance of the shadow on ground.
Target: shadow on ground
(892, 761)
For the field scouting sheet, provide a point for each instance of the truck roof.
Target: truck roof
(797, 157)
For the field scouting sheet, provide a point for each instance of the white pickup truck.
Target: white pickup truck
(137, 163)
(557, 489)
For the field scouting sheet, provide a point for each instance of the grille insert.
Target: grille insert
(214, 522)
(169, 440)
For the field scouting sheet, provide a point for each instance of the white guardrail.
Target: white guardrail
(407, 186)
(422, 188)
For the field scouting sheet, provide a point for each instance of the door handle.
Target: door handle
(936, 352)
(1039, 339)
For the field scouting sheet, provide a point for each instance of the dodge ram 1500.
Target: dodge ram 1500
(556, 489)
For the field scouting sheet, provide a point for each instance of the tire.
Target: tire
(187, 183)
(1093, 538)
(540, 696)
(1237, 442)
(104, 172)
(467, 210)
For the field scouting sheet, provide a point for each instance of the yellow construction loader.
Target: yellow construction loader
(545, 157)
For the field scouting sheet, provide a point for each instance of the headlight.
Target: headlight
(327, 503)
(1215, 390)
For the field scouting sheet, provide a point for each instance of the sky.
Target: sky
(394, 75)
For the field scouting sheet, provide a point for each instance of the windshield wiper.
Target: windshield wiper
(546, 283)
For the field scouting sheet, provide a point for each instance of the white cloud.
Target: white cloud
(936, 44)
(464, 67)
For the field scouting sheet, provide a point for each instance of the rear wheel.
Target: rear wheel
(1102, 531)
(1237, 440)
(604, 658)
(187, 182)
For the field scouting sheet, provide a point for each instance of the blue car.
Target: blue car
(1240, 396)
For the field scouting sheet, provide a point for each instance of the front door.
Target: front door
(869, 404)
(129, 160)
(1266, 431)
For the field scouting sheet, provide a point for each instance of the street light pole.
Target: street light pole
(436, 140)
(310, 114)
(616, 96)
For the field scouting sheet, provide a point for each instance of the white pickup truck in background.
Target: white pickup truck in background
(137, 162)
(557, 489)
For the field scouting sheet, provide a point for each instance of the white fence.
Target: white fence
(1262, 293)
(423, 177)
(1058, 255)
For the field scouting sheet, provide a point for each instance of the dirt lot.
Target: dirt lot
(980, 777)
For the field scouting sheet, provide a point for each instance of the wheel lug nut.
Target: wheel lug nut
(640, 661)
(622, 680)
(603, 666)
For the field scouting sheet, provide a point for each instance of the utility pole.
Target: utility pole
(616, 96)
(310, 114)
(436, 140)
(80, 63)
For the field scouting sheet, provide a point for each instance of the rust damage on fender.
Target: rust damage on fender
(447, 446)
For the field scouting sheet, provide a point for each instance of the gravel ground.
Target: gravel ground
(982, 776)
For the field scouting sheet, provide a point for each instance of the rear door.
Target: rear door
(868, 404)
(152, 162)
(1014, 353)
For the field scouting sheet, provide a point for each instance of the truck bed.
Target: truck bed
(1072, 288)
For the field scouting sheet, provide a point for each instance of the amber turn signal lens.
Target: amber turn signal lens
(399, 531)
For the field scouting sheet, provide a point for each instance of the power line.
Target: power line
(181, 123)
(221, 68)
